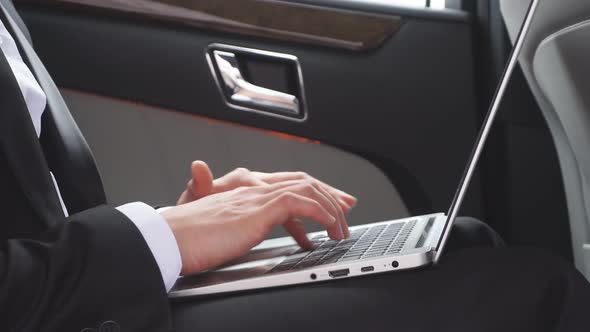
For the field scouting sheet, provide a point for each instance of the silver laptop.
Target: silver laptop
(387, 246)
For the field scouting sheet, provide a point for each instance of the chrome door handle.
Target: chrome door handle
(247, 94)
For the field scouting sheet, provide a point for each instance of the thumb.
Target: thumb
(202, 179)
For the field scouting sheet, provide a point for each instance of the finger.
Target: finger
(343, 224)
(346, 200)
(240, 177)
(270, 188)
(201, 183)
(295, 227)
(314, 191)
(185, 197)
(289, 205)
(324, 198)
(340, 230)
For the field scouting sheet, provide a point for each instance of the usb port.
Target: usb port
(367, 269)
(339, 273)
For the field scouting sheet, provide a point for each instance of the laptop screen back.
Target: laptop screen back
(486, 127)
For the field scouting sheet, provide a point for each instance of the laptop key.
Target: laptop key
(378, 246)
(378, 251)
(330, 243)
(382, 242)
(357, 248)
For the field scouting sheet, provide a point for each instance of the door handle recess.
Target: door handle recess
(244, 93)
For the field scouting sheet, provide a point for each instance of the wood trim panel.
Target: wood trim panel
(280, 20)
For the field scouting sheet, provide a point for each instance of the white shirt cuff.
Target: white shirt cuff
(159, 238)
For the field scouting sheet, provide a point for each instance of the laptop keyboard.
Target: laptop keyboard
(367, 242)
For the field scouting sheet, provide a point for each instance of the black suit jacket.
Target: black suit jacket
(58, 273)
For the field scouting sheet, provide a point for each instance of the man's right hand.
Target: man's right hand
(218, 228)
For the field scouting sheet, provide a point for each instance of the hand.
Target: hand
(202, 184)
(217, 228)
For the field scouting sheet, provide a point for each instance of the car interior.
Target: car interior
(382, 98)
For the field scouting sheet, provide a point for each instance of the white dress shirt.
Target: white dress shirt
(151, 225)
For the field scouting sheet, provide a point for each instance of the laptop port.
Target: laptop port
(339, 273)
(367, 269)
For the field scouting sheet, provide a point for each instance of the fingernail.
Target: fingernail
(347, 194)
(343, 203)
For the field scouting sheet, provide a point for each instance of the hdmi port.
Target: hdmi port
(339, 273)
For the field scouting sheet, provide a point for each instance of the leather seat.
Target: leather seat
(556, 63)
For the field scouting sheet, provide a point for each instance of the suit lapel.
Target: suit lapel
(23, 153)
(65, 148)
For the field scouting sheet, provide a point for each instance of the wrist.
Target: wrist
(174, 220)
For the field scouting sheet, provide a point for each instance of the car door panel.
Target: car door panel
(408, 106)
(143, 164)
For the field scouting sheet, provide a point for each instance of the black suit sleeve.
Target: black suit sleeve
(94, 268)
